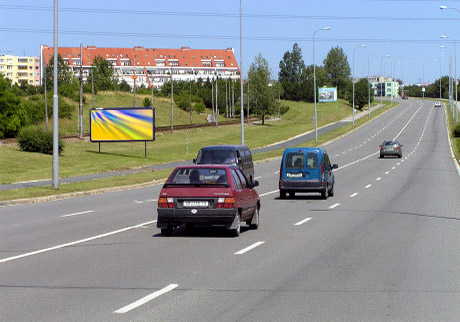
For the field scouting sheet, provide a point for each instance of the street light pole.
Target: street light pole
(353, 81)
(368, 85)
(314, 81)
(450, 79)
(455, 75)
(55, 103)
(381, 82)
(241, 75)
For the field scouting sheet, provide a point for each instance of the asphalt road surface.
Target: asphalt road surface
(384, 248)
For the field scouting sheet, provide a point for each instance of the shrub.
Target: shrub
(199, 107)
(284, 109)
(147, 102)
(456, 131)
(37, 139)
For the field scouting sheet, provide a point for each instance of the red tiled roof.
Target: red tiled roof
(185, 57)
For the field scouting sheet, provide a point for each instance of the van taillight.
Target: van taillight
(165, 202)
(226, 203)
(322, 174)
(281, 170)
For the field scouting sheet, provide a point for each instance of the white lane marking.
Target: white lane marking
(277, 172)
(146, 299)
(387, 172)
(269, 193)
(334, 206)
(378, 179)
(257, 178)
(138, 201)
(368, 186)
(78, 213)
(407, 124)
(302, 222)
(356, 161)
(393, 168)
(353, 195)
(75, 242)
(399, 163)
(151, 200)
(336, 155)
(247, 249)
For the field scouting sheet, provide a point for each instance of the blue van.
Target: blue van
(306, 170)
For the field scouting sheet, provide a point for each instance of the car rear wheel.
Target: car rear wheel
(331, 192)
(254, 222)
(282, 194)
(167, 231)
(236, 232)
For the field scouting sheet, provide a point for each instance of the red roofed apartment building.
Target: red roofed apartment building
(152, 66)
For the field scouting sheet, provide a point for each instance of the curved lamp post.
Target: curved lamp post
(455, 74)
(314, 81)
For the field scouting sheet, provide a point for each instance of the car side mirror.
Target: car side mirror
(335, 166)
(255, 184)
(401, 145)
(194, 161)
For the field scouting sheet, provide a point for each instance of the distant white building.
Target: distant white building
(151, 66)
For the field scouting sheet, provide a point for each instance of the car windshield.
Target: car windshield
(202, 176)
(216, 157)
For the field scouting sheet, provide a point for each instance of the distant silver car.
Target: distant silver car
(391, 148)
(437, 104)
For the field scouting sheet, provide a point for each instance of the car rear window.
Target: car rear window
(389, 143)
(216, 157)
(312, 160)
(203, 176)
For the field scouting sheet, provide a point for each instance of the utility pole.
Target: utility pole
(92, 84)
(46, 102)
(134, 77)
(248, 100)
(217, 108)
(172, 101)
(80, 107)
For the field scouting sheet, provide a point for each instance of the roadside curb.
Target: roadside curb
(456, 160)
(80, 193)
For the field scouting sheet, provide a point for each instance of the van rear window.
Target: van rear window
(216, 157)
(295, 160)
(312, 160)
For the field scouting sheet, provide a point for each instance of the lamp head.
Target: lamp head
(442, 7)
(326, 28)
(363, 46)
(443, 36)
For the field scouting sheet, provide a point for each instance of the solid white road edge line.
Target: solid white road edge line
(269, 193)
(247, 249)
(302, 222)
(146, 299)
(77, 213)
(75, 242)
(257, 178)
(334, 206)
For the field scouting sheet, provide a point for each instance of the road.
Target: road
(384, 248)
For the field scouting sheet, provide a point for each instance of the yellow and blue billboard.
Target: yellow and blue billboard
(122, 124)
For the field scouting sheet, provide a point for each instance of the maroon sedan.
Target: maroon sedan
(208, 195)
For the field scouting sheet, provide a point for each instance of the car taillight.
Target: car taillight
(164, 202)
(322, 174)
(226, 203)
(398, 148)
(381, 148)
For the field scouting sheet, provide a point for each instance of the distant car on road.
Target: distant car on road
(391, 148)
(437, 104)
(208, 195)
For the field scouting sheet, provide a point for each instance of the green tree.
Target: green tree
(262, 95)
(337, 69)
(64, 73)
(12, 114)
(103, 74)
(321, 80)
(361, 94)
(292, 74)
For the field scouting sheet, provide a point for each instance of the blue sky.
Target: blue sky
(409, 30)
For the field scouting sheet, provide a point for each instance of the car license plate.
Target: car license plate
(196, 203)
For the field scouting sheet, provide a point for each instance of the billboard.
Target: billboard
(327, 94)
(122, 124)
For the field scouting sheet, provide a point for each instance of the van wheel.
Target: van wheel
(331, 192)
(282, 194)
(324, 193)
(167, 231)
